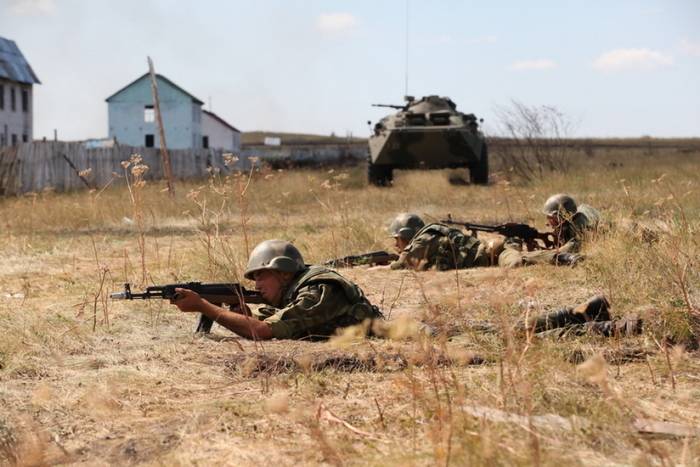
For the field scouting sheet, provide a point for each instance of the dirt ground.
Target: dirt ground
(89, 381)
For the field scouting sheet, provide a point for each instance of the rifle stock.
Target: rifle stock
(231, 294)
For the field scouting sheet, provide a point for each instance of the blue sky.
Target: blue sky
(614, 68)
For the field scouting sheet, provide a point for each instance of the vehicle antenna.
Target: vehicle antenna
(406, 58)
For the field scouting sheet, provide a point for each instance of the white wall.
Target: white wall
(220, 136)
(16, 122)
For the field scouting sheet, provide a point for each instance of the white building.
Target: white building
(16, 99)
(132, 116)
(187, 126)
(218, 134)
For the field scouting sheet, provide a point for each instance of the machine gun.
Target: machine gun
(510, 229)
(372, 258)
(218, 294)
(409, 100)
(390, 106)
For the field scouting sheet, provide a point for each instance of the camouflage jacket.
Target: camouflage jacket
(570, 235)
(318, 302)
(443, 247)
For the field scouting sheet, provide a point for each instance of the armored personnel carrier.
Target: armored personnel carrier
(428, 133)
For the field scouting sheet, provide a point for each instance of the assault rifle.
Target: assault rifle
(510, 229)
(218, 294)
(373, 258)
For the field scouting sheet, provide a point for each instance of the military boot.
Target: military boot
(627, 326)
(594, 309)
(567, 259)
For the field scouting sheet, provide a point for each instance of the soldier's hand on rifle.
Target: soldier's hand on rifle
(187, 300)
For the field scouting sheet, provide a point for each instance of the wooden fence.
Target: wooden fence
(56, 165)
(37, 166)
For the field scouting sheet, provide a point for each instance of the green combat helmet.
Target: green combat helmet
(406, 225)
(278, 255)
(560, 205)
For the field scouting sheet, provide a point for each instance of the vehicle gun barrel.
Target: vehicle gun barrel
(390, 106)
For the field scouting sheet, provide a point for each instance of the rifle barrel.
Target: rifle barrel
(470, 226)
(118, 296)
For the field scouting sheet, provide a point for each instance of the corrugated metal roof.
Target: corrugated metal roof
(158, 77)
(13, 65)
(221, 120)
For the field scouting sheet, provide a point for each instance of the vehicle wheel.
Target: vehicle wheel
(479, 172)
(379, 175)
(459, 177)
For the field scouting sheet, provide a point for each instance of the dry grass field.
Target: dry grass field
(89, 381)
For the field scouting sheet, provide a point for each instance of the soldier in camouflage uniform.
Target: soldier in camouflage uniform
(591, 317)
(436, 245)
(569, 223)
(303, 302)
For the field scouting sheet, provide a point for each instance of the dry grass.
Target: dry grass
(86, 381)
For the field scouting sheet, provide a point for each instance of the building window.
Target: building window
(205, 142)
(14, 139)
(13, 107)
(25, 138)
(149, 115)
(150, 141)
(25, 100)
(2, 97)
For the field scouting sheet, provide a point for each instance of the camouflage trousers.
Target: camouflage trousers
(513, 256)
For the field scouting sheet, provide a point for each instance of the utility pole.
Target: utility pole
(161, 131)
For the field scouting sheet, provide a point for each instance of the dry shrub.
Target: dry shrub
(535, 141)
(135, 170)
